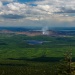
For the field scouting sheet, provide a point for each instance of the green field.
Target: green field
(20, 58)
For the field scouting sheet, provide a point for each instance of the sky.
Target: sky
(53, 13)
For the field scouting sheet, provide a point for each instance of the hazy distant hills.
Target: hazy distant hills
(38, 28)
(39, 31)
(14, 28)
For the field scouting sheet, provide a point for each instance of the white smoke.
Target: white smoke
(45, 30)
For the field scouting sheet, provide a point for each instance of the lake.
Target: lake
(36, 42)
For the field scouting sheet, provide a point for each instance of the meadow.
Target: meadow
(18, 57)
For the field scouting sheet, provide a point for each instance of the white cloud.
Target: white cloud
(1, 4)
(43, 7)
(14, 8)
(58, 5)
(56, 10)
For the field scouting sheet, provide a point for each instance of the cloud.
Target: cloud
(63, 6)
(16, 6)
(42, 7)
(13, 10)
(54, 10)
(12, 16)
(6, 0)
(1, 4)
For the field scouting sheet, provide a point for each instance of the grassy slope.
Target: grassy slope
(14, 46)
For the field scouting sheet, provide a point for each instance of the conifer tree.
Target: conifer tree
(65, 66)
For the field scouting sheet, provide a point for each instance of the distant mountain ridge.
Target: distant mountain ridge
(38, 31)
(37, 28)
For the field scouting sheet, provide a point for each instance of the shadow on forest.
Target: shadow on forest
(42, 59)
(39, 59)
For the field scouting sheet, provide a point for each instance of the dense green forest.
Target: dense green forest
(20, 55)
